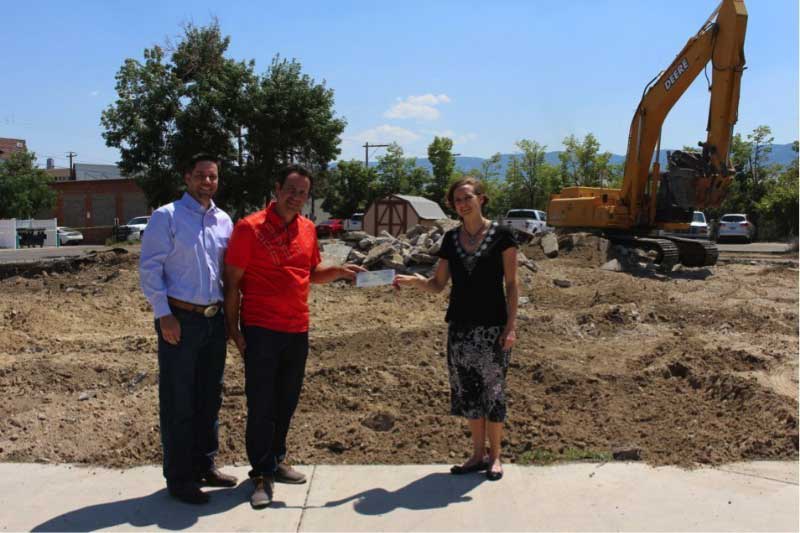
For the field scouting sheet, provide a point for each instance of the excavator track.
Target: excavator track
(668, 253)
(696, 253)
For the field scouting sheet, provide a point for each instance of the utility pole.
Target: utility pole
(71, 154)
(367, 146)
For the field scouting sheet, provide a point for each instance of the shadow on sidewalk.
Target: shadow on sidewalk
(433, 491)
(154, 510)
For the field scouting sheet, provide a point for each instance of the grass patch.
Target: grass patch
(567, 455)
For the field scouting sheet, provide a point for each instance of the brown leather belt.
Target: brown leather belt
(207, 311)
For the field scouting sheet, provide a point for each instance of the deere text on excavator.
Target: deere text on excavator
(650, 200)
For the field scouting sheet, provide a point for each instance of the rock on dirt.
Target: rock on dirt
(549, 244)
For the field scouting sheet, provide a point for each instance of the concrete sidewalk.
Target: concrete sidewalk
(575, 497)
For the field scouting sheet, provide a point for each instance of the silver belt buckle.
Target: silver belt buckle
(210, 311)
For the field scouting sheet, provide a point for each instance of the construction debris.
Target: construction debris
(549, 245)
(414, 251)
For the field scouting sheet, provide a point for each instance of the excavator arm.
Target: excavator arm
(719, 42)
(649, 199)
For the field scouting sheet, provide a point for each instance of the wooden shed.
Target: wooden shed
(399, 212)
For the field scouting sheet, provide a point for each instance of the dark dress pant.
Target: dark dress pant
(275, 364)
(190, 395)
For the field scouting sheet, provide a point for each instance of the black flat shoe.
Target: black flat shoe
(494, 476)
(458, 470)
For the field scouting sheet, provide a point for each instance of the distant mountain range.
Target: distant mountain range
(781, 153)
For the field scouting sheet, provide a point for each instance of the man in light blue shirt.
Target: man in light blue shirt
(180, 273)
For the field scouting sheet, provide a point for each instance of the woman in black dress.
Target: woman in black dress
(479, 256)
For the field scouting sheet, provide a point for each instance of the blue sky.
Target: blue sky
(483, 73)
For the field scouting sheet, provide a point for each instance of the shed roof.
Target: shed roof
(425, 209)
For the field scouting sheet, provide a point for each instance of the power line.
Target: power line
(367, 146)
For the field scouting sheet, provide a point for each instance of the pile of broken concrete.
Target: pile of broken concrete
(411, 252)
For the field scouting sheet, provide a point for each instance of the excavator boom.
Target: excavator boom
(650, 200)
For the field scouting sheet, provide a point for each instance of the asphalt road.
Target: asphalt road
(755, 247)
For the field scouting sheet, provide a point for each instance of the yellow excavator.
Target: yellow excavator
(652, 203)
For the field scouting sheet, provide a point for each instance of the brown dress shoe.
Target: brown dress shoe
(263, 489)
(215, 478)
(188, 492)
(287, 474)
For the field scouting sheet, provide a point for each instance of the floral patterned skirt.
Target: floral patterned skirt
(478, 366)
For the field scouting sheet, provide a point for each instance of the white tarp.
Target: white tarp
(8, 233)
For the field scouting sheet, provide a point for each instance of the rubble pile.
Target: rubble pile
(408, 253)
(411, 252)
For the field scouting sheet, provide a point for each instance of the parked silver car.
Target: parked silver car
(736, 226)
(69, 236)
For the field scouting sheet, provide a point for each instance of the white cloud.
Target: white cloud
(385, 134)
(467, 137)
(421, 107)
(457, 138)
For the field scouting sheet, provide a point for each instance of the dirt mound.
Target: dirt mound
(679, 369)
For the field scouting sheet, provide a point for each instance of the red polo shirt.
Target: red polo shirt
(277, 259)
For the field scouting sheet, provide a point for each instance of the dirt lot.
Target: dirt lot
(697, 367)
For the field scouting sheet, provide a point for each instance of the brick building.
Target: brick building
(94, 206)
(9, 146)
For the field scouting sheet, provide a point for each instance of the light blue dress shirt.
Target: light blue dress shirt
(183, 248)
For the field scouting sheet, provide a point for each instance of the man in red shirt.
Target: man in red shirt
(272, 258)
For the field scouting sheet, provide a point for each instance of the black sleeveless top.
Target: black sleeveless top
(477, 297)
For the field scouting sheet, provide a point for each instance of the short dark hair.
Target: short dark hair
(202, 157)
(477, 186)
(295, 169)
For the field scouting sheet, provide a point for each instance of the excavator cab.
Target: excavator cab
(677, 191)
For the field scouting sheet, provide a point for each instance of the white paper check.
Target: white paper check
(375, 278)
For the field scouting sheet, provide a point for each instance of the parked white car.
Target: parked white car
(530, 221)
(135, 227)
(355, 222)
(736, 226)
(68, 236)
(698, 228)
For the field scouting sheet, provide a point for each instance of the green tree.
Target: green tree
(202, 101)
(499, 198)
(613, 177)
(440, 154)
(293, 122)
(349, 187)
(419, 179)
(778, 208)
(141, 123)
(399, 175)
(489, 169)
(526, 182)
(760, 140)
(24, 189)
(753, 175)
(391, 170)
(582, 163)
